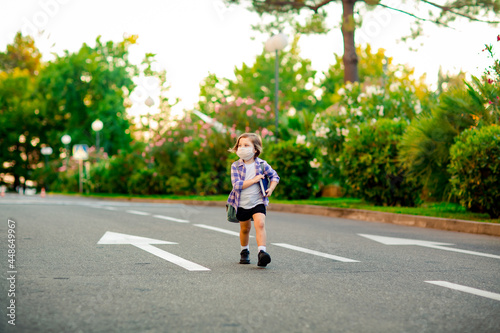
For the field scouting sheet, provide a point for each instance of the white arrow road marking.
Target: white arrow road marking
(229, 232)
(316, 253)
(465, 289)
(170, 218)
(136, 212)
(145, 244)
(432, 245)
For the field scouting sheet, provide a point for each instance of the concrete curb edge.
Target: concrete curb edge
(484, 228)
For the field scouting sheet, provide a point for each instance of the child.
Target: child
(246, 196)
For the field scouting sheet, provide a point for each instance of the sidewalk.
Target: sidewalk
(484, 228)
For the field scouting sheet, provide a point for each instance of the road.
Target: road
(84, 265)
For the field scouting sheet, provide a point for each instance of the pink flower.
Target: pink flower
(233, 135)
(143, 154)
(247, 129)
(239, 101)
(217, 107)
(186, 139)
(250, 101)
(196, 153)
(268, 108)
(498, 38)
(170, 139)
(249, 113)
(265, 131)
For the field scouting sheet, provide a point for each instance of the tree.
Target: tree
(298, 101)
(440, 14)
(78, 88)
(19, 119)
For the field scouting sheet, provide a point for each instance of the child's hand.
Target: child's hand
(257, 178)
(269, 191)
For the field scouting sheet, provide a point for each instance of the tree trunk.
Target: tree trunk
(350, 57)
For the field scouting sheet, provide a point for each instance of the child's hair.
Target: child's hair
(256, 140)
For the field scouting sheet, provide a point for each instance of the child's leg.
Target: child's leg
(260, 228)
(245, 227)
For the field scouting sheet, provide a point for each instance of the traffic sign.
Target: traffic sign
(81, 152)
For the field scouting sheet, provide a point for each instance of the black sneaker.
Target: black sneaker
(264, 259)
(245, 257)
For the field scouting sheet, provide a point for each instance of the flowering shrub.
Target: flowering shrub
(475, 169)
(296, 167)
(370, 164)
(359, 104)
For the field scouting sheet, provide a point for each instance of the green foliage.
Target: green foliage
(425, 146)
(292, 162)
(475, 169)
(21, 54)
(357, 104)
(179, 185)
(208, 183)
(119, 170)
(145, 181)
(77, 88)
(256, 82)
(370, 163)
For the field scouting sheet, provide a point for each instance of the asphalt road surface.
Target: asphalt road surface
(83, 265)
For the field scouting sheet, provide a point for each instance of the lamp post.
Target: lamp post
(275, 44)
(46, 151)
(97, 126)
(149, 103)
(66, 140)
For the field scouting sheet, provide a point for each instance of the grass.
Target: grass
(433, 209)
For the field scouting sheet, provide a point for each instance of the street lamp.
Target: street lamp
(275, 44)
(66, 140)
(46, 151)
(97, 127)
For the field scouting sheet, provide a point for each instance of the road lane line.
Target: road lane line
(316, 253)
(189, 265)
(229, 232)
(136, 212)
(170, 218)
(466, 289)
(110, 208)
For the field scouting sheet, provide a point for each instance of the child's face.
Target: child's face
(245, 142)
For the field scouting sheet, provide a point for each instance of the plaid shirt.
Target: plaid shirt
(238, 173)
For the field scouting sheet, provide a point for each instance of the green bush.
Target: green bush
(146, 181)
(119, 169)
(371, 167)
(292, 162)
(475, 169)
(208, 183)
(179, 185)
(67, 181)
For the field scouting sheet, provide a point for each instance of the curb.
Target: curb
(472, 227)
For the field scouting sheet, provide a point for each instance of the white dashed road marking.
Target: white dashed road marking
(170, 218)
(316, 253)
(465, 289)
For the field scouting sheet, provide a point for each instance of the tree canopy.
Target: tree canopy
(438, 12)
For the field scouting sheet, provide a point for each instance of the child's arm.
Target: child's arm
(274, 178)
(239, 184)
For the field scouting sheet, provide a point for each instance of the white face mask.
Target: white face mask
(245, 153)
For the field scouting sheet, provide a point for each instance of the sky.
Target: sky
(193, 38)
